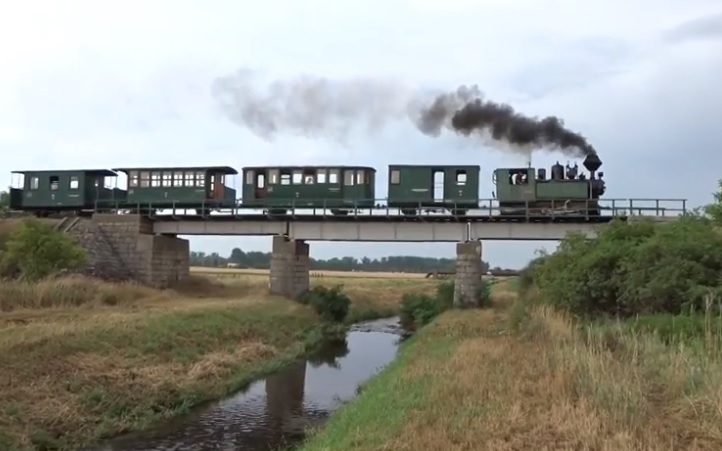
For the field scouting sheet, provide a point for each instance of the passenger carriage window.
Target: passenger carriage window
(155, 179)
(74, 182)
(285, 179)
(261, 181)
(360, 177)
(133, 179)
(200, 179)
(297, 177)
(367, 177)
(395, 177)
(167, 179)
(145, 179)
(333, 176)
(54, 182)
(34, 183)
(309, 178)
(178, 178)
(461, 178)
(348, 178)
(189, 178)
(321, 176)
(249, 177)
(273, 177)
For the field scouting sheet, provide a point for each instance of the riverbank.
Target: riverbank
(510, 378)
(82, 360)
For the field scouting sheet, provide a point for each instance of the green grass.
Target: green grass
(386, 400)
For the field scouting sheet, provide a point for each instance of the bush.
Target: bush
(331, 304)
(419, 309)
(35, 250)
(635, 268)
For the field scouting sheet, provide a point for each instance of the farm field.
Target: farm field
(314, 273)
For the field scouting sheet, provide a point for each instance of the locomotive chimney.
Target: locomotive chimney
(592, 163)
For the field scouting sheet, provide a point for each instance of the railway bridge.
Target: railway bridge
(148, 248)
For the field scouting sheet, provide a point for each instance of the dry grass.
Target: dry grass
(83, 359)
(508, 379)
(76, 291)
(74, 375)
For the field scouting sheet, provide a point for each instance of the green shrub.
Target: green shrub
(35, 250)
(419, 309)
(331, 304)
(634, 268)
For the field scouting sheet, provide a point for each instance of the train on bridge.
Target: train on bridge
(452, 190)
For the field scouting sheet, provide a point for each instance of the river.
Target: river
(278, 411)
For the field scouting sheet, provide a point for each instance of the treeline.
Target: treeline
(636, 268)
(262, 260)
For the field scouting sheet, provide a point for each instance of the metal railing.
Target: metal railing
(378, 208)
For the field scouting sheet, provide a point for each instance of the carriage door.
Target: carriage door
(217, 185)
(260, 184)
(438, 185)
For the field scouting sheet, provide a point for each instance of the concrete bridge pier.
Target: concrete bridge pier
(468, 274)
(289, 275)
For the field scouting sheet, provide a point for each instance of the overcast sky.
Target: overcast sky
(106, 84)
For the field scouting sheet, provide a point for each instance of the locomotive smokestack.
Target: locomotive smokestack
(318, 107)
(592, 162)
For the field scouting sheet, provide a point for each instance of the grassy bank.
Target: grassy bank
(511, 378)
(82, 359)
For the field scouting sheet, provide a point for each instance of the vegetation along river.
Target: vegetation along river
(278, 411)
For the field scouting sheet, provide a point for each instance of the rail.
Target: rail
(380, 208)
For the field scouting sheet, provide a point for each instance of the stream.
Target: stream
(276, 412)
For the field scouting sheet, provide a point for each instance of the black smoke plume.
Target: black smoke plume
(318, 107)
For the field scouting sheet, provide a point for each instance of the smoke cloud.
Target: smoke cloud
(321, 108)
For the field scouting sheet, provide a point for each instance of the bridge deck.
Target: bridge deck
(383, 230)
(388, 224)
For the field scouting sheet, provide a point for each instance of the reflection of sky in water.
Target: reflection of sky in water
(254, 420)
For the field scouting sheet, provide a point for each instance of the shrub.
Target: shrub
(635, 268)
(35, 250)
(331, 304)
(419, 309)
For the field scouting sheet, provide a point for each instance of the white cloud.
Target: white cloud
(97, 84)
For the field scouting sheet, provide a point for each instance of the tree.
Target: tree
(35, 250)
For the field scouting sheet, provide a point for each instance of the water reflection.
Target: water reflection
(278, 411)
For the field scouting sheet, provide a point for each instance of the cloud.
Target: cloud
(707, 27)
(98, 85)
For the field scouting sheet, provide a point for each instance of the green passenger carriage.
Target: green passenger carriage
(199, 188)
(281, 188)
(414, 187)
(76, 190)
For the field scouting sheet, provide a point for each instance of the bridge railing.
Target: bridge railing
(488, 208)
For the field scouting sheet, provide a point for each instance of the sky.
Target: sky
(108, 84)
